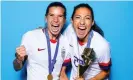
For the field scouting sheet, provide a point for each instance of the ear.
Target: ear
(93, 23)
(71, 21)
(45, 18)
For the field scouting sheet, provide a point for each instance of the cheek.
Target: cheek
(48, 21)
(76, 24)
(62, 21)
(89, 23)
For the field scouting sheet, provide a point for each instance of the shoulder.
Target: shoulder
(70, 33)
(99, 40)
(64, 39)
(99, 43)
(32, 33)
(69, 29)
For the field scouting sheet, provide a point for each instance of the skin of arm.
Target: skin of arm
(63, 75)
(101, 75)
(18, 63)
(21, 58)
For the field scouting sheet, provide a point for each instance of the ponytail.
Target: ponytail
(96, 28)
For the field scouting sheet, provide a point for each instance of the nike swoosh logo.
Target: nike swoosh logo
(70, 45)
(39, 49)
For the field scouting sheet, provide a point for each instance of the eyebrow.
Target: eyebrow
(88, 15)
(85, 16)
(53, 13)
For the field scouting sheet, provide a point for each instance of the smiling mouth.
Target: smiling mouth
(55, 28)
(81, 30)
(82, 27)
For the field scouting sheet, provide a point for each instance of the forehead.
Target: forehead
(82, 11)
(56, 9)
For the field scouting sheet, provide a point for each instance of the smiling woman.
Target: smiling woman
(44, 47)
(87, 43)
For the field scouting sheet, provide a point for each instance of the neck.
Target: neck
(51, 36)
(84, 40)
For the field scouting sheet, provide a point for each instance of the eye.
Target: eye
(77, 17)
(88, 18)
(60, 15)
(51, 15)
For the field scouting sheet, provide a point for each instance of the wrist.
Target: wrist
(20, 58)
(93, 78)
(18, 61)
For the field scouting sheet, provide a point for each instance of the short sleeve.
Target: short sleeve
(104, 59)
(26, 41)
(67, 59)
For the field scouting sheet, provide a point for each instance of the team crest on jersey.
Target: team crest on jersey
(78, 61)
(63, 51)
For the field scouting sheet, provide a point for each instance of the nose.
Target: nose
(82, 21)
(55, 19)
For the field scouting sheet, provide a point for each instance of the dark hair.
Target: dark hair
(95, 27)
(56, 4)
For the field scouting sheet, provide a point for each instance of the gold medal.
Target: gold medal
(50, 77)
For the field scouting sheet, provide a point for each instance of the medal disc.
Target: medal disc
(50, 77)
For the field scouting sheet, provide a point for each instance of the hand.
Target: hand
(93, 79)
(64, 78)
(79, 78)
(63, 75)
(21, 53)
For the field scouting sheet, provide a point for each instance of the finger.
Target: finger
(20, 58)
(20, 49)
(17, 49)
(22, 46)
(22, 53)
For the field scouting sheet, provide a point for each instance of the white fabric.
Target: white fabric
(37, 63)
(99, 45)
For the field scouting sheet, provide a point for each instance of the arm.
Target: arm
(101, 76)
(104, 62)
(21, 58)
(63, 75)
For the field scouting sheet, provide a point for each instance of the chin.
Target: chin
(55, 33)
(80, 37)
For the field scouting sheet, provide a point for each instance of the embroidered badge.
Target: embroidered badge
(63, 51)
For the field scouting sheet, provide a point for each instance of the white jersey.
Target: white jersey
(36, 47)
(100, 47)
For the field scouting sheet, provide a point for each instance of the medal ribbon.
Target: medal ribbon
(88, 42)
(51, 61)
(89, 39)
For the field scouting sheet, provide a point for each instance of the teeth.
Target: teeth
(55, 28)
(55, 25)
(81, 27)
